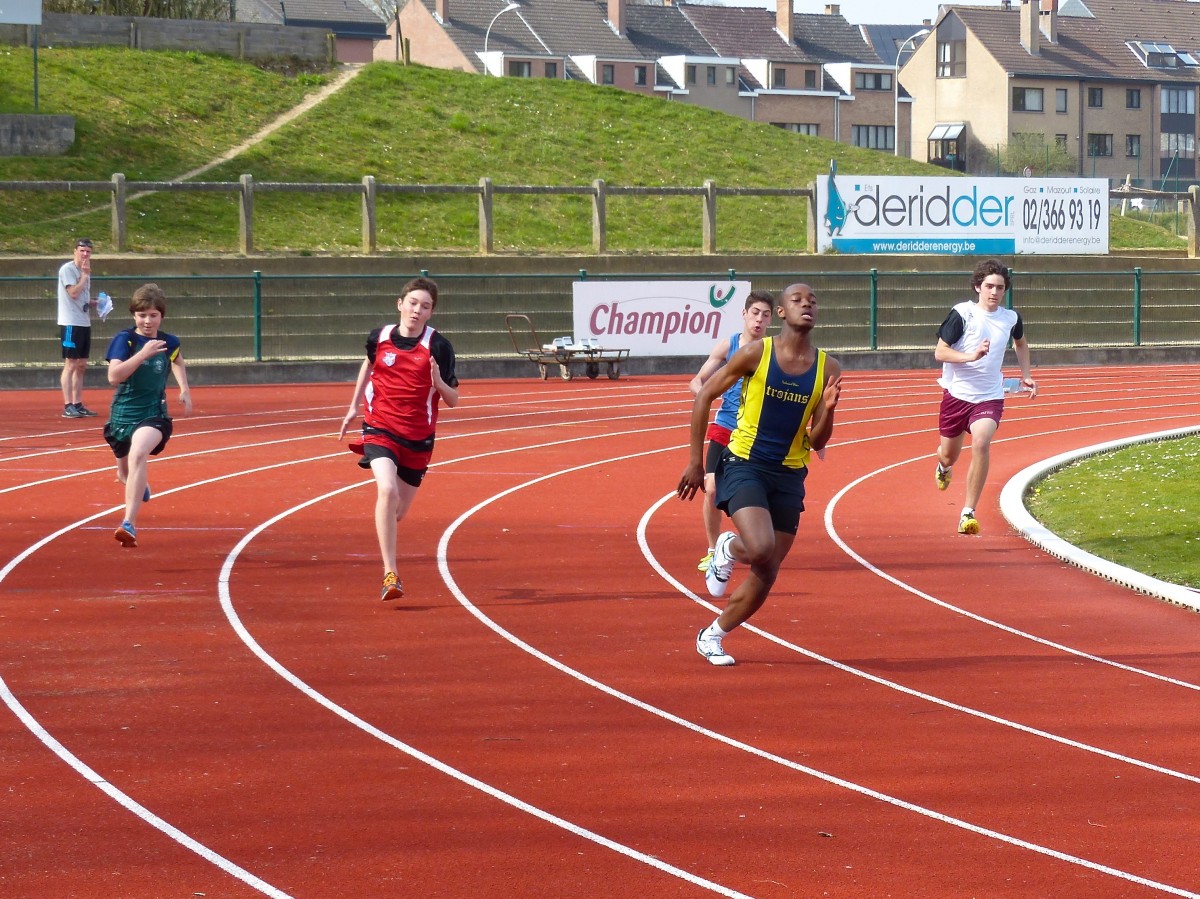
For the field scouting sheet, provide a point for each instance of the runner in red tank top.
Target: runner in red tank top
(408, 372)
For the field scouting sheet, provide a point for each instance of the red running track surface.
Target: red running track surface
(228, 710)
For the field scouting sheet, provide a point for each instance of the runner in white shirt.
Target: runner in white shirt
(971, 345)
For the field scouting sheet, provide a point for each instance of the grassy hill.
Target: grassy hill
(154, 116)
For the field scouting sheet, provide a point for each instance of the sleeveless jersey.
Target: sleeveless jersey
(731, 398)
(144, 393)
(772, 421)
(400, 396)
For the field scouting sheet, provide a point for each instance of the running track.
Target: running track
(229, 711)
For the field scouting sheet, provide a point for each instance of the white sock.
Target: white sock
(967, 510)
(715, 630)
(943, 468)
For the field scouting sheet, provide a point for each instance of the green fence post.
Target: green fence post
(257, 316)
(874, 313)
(1137, 305)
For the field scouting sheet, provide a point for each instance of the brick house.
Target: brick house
(1114, 84)
(809, 73)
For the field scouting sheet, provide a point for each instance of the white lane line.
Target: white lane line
(411, 751)
(893, 685)
(122, 798)
(447, 576)
(831, 529)
(97, 780)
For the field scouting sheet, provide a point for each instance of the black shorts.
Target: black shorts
(742, 484)
(119, 437)
(76, 341)
(410, 476)
(712, 458)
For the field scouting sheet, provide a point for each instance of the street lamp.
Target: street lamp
(488, 33)
(896, 89)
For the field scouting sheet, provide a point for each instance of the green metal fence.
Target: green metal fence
(259, 317)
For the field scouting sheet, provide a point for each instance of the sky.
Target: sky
(865, 12)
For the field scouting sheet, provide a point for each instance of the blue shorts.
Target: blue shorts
(742, 484)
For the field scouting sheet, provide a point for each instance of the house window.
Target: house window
(1183, 144)
(807, 128)
(952, 59)
(1133, 98)
(607, 74)
(1099, 145)
(639, 75)
(1178, 99)
(710, 74)
(1027, 99)
(1060, 99)
(691, 74)
(1133, 145)
(730, 75)
(873, 137)
(1060, 141)
(872, 81)
(1095, 97)
(810, 78)
(551, 70)
(779, 78)
(518, 69)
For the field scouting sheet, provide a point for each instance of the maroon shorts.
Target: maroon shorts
(956, 416)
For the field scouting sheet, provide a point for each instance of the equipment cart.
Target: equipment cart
(563, 351)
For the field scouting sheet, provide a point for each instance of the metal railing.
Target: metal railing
(256, 317)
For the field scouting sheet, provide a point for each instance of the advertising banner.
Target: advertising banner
(658, 318)
(20, 12)
(961, 216)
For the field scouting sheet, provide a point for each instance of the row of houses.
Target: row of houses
(1106, 87)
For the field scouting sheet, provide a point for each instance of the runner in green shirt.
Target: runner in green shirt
(139, 360)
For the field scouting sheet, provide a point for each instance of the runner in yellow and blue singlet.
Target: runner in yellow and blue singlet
(789, 394)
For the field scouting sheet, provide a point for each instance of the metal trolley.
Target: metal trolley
(563, 352)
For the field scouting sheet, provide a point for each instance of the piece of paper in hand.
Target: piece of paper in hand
(105, 307)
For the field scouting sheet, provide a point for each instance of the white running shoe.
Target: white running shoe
(710, 647)
(721, 566)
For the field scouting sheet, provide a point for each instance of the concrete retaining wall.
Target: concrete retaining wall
(36, 135)
(240, 40)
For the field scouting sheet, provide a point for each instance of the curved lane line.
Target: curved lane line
(920, 594)
(443, 564)
(894, 685)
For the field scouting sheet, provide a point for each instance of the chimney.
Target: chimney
(783, 20)
(616, 15)
(442, 10)
(833, 9)
(1030, 29)
(1049, 20)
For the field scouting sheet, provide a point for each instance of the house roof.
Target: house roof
(342, 17)
(664, 31)
(1086, 48)
(886, 40)
(829, 38)
(551, 29)
(742, 33)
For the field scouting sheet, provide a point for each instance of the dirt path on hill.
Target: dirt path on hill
(341, 78)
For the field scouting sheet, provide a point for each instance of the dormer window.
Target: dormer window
(1157, 55)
